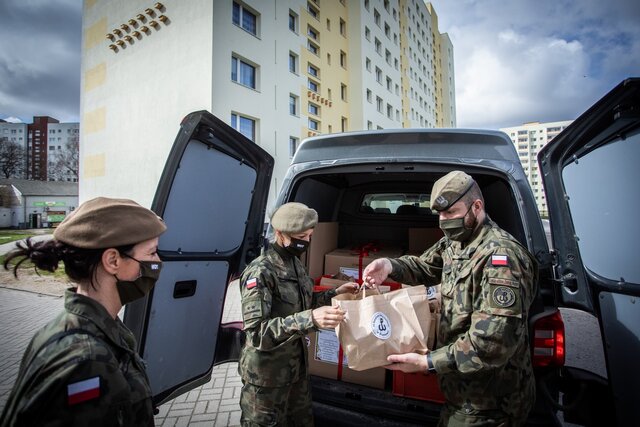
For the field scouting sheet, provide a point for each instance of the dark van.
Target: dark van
(213, 195)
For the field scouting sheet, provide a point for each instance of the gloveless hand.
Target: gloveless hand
(327, 317)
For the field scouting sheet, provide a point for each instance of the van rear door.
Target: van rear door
(591, 178)
(212, 195)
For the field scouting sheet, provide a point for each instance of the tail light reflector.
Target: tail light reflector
(548, 341)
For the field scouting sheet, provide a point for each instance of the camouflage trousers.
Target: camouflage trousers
(457, 417)
(276, 406)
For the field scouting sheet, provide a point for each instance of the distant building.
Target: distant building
(62, 151)
(528, 140)
(16, 132)
(278, 72)
(37, 147)
(35, 204)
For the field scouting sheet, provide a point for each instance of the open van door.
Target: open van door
(591, 174)
(212, 195)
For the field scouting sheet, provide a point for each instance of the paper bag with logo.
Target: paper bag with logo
(379, 325)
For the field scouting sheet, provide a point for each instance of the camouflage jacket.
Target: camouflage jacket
(483, 355)
(277, 298)
(81, 369)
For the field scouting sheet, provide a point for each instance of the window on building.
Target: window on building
(343, 124)
(379, 104)
(245, 18)
(368, 64)
(312, 32)
(314, 86)
(343, 27)
(376, 17)
(389, 84)
(343, 59)
(313, 48)
(387, 56)
(313, 70)
(293, 21)
(386, 5)
(378, 46)
(343, 92)
(389, 111)
(314, 125)
(293, 146)
(369, 95)
(242, 72)
(378, 75)
(245, 125)
(313, 11)
(367, 33)
(366, 4)
(369, 125)
(314, 109)
(293, 104)
(387, 30)
(293, 62)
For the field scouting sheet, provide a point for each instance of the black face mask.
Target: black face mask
(455, 228)
(297, 247)
(132, 290)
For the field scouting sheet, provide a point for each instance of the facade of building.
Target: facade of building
(37, 147)
(528, 140)
(278, 71)
(35, 204)
(62, 151)
(16, 133)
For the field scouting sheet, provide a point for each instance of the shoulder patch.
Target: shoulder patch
(501, 260)
(251, 283)
(503, 296)
(82, 391)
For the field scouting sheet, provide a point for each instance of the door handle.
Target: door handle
(184, 289)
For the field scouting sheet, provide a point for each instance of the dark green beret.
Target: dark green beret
(449, 189)
(293, 218)
(102, 223)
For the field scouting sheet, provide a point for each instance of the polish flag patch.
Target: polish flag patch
(83, 390)
(499, 260)
(251, 283)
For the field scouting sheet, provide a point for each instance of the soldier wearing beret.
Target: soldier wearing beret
(82, 369)
(279, 307)
(489, 280)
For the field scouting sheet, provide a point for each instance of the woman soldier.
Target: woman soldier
(278, 309)
(82, 368)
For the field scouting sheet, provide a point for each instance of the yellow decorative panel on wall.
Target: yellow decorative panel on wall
(95, 120)
(95, 33)
(94, 166)
(95, 77)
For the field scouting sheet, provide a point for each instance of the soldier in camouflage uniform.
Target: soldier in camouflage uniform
(82, 368)
(278, 309)
(489, 280)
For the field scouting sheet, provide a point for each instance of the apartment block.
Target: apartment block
(63, 141)
(277, 71)
(528, 140)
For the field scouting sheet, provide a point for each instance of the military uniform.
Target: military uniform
(81, 369)
(483, 358)
(277, 300)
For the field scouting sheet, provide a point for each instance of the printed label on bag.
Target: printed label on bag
(380, 325)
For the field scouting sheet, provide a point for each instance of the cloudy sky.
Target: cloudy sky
(516, 60)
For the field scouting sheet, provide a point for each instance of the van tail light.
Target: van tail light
(548, 341)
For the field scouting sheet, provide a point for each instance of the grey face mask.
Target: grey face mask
(131, 290)
(455, 228)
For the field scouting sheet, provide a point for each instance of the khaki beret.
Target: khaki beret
(102, 223)
(449, 189)
(294, 218)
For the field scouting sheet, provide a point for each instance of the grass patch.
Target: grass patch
(8, 236)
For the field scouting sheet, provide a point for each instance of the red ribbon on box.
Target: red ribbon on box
(363, 251)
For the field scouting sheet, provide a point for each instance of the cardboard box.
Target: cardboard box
(324, 350)
(324, 239)
(421, 239)
(347, 261)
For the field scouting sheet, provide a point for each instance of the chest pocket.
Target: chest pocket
(457, 286)
(288, 296)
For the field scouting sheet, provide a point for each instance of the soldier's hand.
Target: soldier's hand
(376, 272)
(350, 287)
(408, 362)
(327, 317)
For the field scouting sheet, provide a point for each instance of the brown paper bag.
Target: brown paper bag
(379, 325)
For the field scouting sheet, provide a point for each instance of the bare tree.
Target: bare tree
(12, 157)
(65, 163)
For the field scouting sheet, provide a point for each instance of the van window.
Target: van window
(396, 203)
(603, 198)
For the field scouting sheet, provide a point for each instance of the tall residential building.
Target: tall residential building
(528, 140)
(277, 70)
(37, 157)
(62, 151)
(16, 133)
